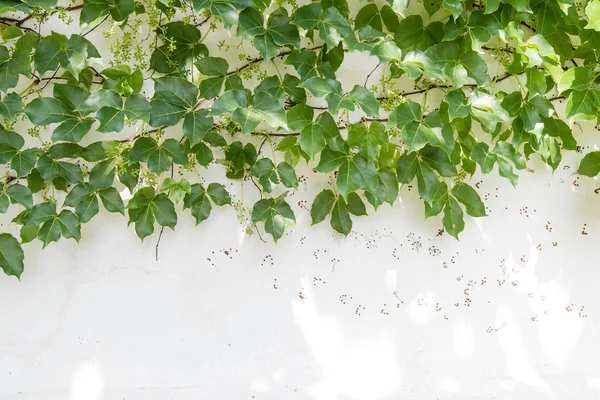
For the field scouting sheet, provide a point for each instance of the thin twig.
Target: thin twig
(371, 73)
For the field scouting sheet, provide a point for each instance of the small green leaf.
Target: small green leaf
(470, 199)
(11, 255)
(322, 206)
(218, 194)
(340, 218)
(590, 164)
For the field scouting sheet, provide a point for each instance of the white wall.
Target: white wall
(391, 312)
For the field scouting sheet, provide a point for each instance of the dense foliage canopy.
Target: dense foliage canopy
(59, 97)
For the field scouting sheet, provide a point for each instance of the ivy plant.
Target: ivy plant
(458, 87)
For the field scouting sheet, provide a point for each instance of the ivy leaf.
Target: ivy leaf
(365, 99)
(582, 105)
(23, 162)
(95, 10)
(213, 66)
(103, 174)
(340, 218)
(229, 102)
(322, 206)
(312, 140)
(112, 201)
(11, 255)
(592, 10)
(287, 175)
(47, 110)
(269, 109)
(412, 34)
(51, 169)
(356, 173)
(330, 160)
(457, 105)
(10, 105)
(590, 164)
(427, 181)
(251, 23)
(176, 91)
(274, 213)
(218, 194)
(198, 203)
(299, 117)
(19, 194)
(164, 113)
(39, 213)
(355, 205)
(446, 59)
(453, 217)
(406, 168)
(481, 155)
(307, 17)
(506, 154)
(146, 207)
(470, 199)
(196, 125)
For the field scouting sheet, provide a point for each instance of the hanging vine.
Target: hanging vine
(180, 106)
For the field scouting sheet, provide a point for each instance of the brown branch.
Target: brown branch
(259, 59)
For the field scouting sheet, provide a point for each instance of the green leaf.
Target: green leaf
(164, 211)
(366, 100)
(175, 151)
(269, 109)
(250, 23)
(406, 167)
(47, 110)
(307, 17)
(411, 33)
(287, 175)
(164, 113)
(312, 140)
(355, 205)
(72, 130)
(10, 144)
(112, 201)
(299, 117)
(330, 160)
(322, 206)
(470, 199)
(228, 102)
(592, 10)
(453, 217)
(87, 208)
(356, 173)
(590, 164)
(582, 105)
(10, 105)
(137, 108)
(103, 174)
(218, 194)
(111, 119)
(39, 213)
(457, 107)
(11, 255)
(19, 194)
(197, 201)
(23, 162)
(427, 181)
(196, 125)
(482, 156)
(176, 91)
(340, 218)
(213, 66)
